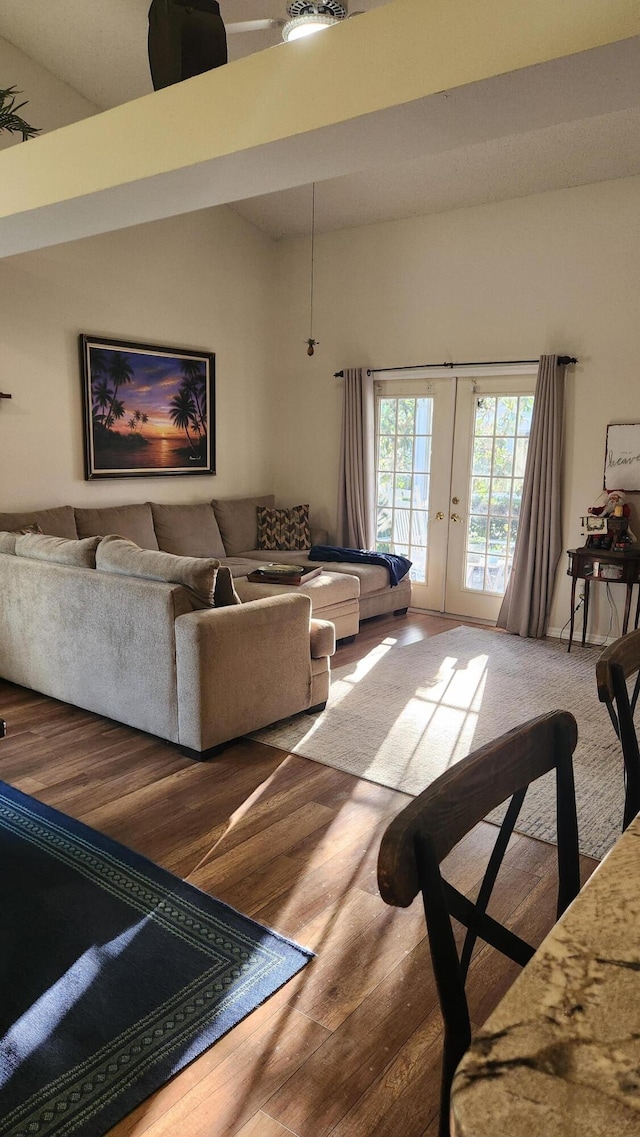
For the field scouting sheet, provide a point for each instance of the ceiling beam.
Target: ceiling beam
(369, 90)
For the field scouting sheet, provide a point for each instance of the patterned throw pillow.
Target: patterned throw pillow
(284, 529)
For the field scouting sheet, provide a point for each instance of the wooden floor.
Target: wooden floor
(351, 1046)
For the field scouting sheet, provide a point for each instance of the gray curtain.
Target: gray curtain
(527, 601)
(356, 479)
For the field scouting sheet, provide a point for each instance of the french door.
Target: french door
(450, 456)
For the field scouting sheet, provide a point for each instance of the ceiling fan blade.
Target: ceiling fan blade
(253, 26)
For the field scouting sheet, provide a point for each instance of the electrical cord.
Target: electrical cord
(613, 613)
(576, 609)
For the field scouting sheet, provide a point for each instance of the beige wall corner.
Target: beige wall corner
(50, 103)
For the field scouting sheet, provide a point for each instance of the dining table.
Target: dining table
(560, 1054)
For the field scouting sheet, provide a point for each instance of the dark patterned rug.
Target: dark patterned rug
(114, 973)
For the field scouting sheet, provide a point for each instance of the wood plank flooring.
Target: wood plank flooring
(351, 1046)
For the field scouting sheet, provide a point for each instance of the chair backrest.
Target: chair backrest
(618, 663)
(426, 831)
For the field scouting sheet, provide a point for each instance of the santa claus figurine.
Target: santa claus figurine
(615, 505)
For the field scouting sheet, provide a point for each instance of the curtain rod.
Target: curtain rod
(563, 359)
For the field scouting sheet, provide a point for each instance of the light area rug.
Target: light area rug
(403, 715)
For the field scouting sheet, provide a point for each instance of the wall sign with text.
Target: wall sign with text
(622, 457)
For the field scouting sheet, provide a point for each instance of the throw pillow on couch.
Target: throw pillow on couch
(207, 581)
(284, 530)
(59, 550)
(8, 538)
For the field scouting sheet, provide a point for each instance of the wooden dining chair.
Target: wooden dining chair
(618, 663)
(424, 833)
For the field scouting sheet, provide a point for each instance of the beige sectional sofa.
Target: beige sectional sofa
(226, 529)
(139, 645)
(153, 640)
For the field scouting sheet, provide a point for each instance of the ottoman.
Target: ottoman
(334, 596)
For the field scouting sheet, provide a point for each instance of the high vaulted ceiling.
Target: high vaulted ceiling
(564, 123)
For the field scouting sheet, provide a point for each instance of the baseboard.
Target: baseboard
(591, 641)
(451, 616)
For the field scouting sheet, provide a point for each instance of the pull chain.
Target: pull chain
(311, 342)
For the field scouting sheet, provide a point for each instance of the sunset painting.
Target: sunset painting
(148, 410)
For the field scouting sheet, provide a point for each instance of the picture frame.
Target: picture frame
(149, 410)
(622, 457)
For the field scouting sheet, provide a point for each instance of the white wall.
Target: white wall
(554, 272)
(202, 281)
(50, 102)
(557, 272)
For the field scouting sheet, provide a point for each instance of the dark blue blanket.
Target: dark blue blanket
(396, 565)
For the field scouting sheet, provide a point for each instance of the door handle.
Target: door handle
(439, 515)
(455, 517)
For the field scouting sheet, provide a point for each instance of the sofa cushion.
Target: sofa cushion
(132, 521)
(326, 590)
(373, 578)
(284, 529)
(8, 540)
(187, 530)
(60, 550)
(58, 522)
(238, 522)
(196, 574)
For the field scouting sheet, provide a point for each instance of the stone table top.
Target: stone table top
(560, 1055)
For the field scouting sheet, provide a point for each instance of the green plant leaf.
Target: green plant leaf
(10, 120)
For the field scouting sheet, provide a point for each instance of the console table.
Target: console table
(609, 567)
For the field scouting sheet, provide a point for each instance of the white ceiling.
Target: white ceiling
(98, 47)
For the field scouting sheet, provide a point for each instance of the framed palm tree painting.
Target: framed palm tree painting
(148, 410)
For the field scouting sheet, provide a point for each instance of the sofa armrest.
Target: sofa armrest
(323, 638)
(241, 668)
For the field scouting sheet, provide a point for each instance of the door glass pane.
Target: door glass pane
(485, 417)
(422, 452)
(503, 457)
(525, 412)
(421, 491)
(388, 412)
(401, 522)
(384, 526)
(477, 542)
(482, 455)
(480, 495)
(385, 488)
(403, 491)
(404, 454)
(403, 462)
(386, 453)
(424, 415)
(499, 451)
(419, 521)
